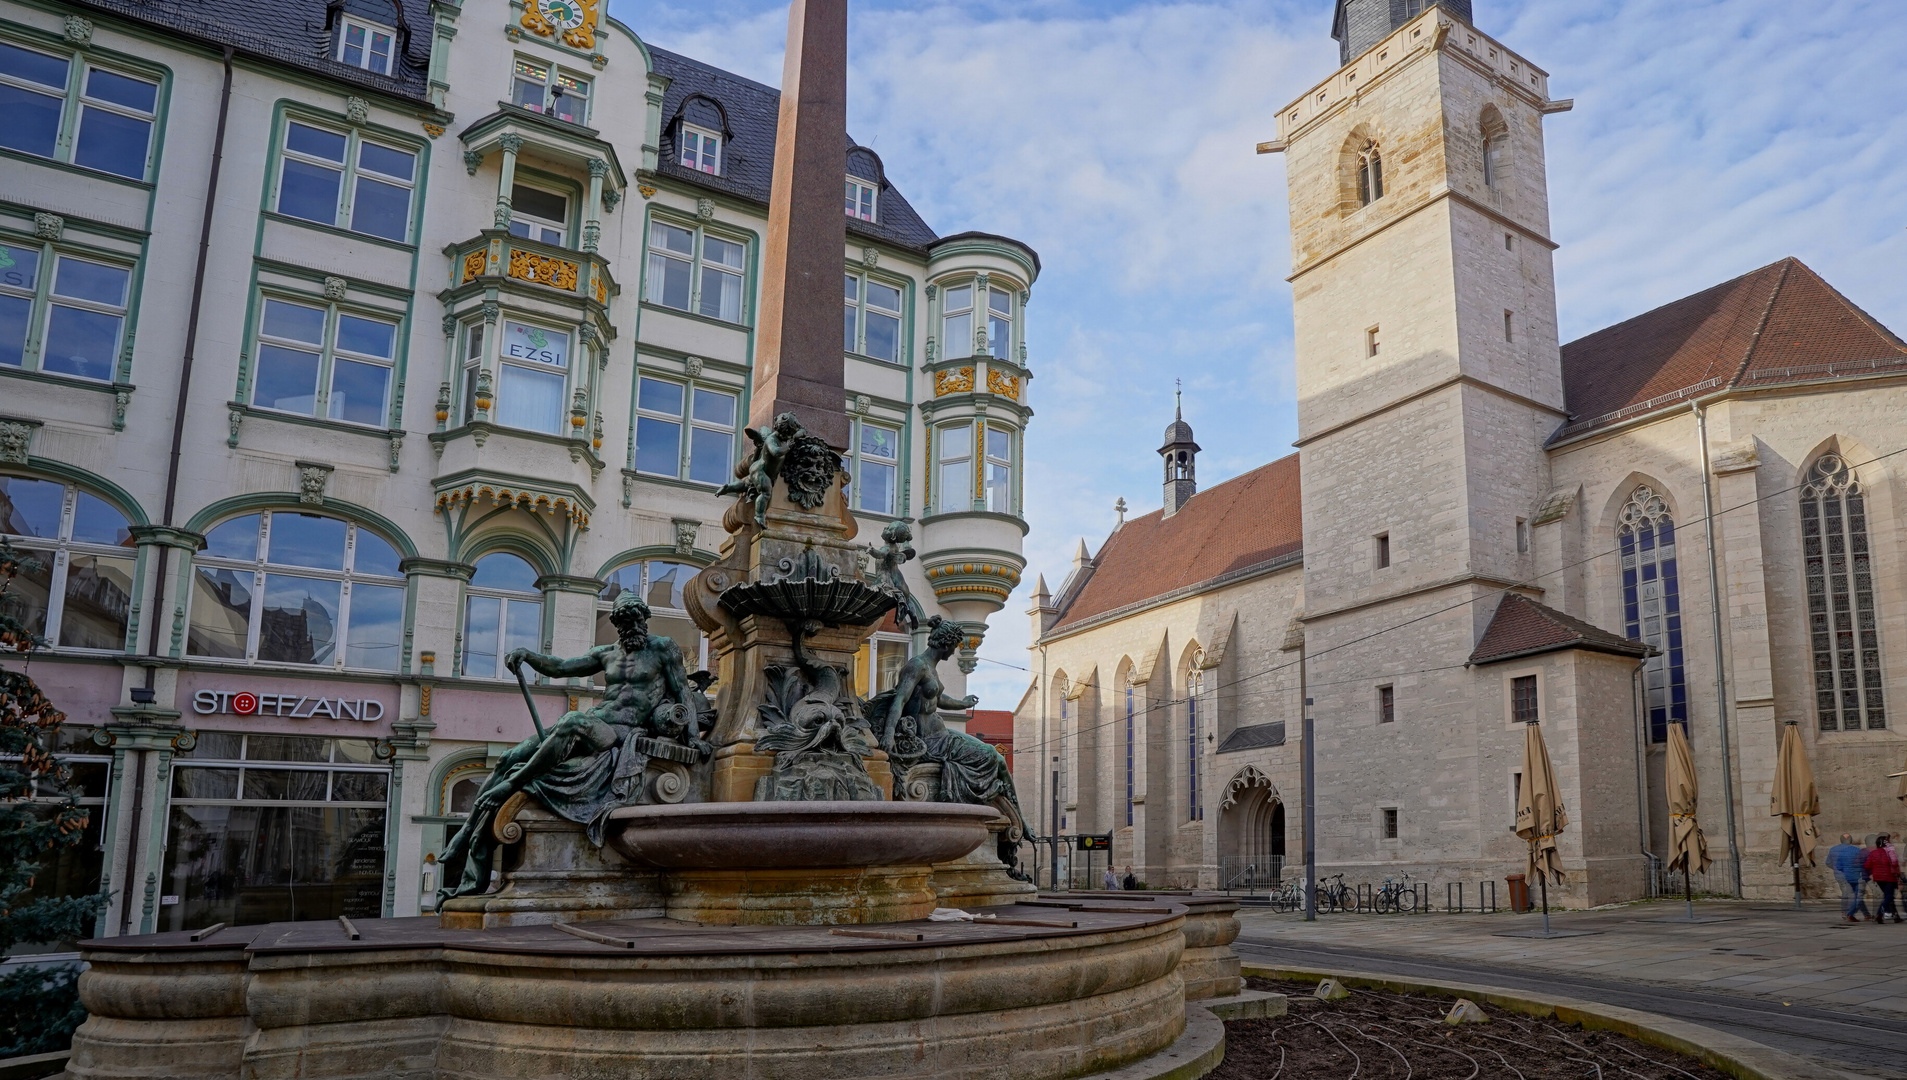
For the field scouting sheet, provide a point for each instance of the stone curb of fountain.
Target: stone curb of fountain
(1740, 1058)
(1201, 1047)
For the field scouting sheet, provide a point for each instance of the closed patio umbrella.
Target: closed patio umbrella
(1688, 847)
(1796, 803)
(1540, 815)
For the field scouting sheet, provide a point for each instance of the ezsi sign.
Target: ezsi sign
(295, 706)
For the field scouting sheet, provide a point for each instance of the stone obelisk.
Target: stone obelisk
(799, 366)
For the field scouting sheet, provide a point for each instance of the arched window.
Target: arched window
(1194, 686)
(660, 584)
(1132, 726)
(1652, 605)
(78, 594)
(1841, 619)
(1056, 789)
(1496, 137)
(502, 611)
(1370, 175)
(286, 587)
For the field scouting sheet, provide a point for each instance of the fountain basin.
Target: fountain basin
(796, 835)
(797, 863)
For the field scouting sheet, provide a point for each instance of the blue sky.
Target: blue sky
(1709, 137)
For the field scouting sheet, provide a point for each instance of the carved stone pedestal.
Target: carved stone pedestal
(557, 875)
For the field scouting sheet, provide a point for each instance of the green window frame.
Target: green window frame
(688, 423)
(689, 268)
(65, 106)
(63, 310)
(872, 322)
(953, 468)
(999, 455)
(330, 174)
(337, 346)
(874, 462)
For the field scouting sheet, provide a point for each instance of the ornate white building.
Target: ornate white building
(348, 344)
(1481, 527)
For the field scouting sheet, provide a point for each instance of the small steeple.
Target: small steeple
(1043, 611)
(1181, 458)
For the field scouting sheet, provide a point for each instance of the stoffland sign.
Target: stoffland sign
(294, 706)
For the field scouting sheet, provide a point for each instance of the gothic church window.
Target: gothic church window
(1652, 605)
(1370, 175)
(1194, 686)
(1841, 616)
(1496, 138)
(1132, 725)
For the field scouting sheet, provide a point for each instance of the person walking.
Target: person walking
(1112, 880)
(1883, 865)
(1848, 859)
(1130, 882)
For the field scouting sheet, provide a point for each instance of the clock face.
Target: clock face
(565, 14)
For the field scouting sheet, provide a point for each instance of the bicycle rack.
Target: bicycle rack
(1491, 901)
(1422, 896)
(1456, 906)
(1366, 899)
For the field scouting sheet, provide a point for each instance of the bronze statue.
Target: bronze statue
(888, 559)
(760, 470)
(591, 761)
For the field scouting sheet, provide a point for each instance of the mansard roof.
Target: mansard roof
(1778, 325)
(297, 33)
(1239, 525)
(753, 112)
(1523, 627)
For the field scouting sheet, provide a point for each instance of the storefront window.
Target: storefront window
(502, 612)
(79, 594)
(293, 588)
(73, 870)
(269, 828)
(660, 584)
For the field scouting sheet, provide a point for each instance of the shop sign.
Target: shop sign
(295, 706)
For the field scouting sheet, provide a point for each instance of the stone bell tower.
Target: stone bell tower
(1180, 454)
(1428, 378)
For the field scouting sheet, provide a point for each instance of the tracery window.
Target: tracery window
(1194, 686)
(1370, 175)
(1841, 619)
(1652, 605)
(1131, 731)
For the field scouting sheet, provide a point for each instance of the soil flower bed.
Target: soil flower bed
(1382, 1035)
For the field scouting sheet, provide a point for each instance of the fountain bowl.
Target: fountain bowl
(796, 835)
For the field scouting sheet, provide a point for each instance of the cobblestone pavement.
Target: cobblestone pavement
(1802, 980)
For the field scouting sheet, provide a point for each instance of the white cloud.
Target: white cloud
(1709, 137)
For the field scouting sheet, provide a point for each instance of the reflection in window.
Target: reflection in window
(295, 588)
(80, 593)
(532, 375)
(503, 611)
(266, 828)
(71, 871)
(660, 583)
(339, 179)
(317, 360)
(665, 411)
(999, 469)
(82, 311)
(875, 467)
(956, 322)
(877, 666)
(1652, 605)
(692, 270)
(871, 318)
(954, 482)
(109, 129)
(1842, 625)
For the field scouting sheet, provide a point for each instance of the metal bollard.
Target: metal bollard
(1480, 902)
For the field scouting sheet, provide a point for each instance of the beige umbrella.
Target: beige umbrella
(1688, 847)
(1795, 802)
(1540, 815)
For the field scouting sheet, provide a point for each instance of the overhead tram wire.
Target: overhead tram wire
(1275, 668)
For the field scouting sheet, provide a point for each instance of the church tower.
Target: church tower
(1428, 378)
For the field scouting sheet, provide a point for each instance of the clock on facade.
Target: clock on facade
(575, 20)
(563, 14)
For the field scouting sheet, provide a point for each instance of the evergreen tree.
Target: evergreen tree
(39, 1006)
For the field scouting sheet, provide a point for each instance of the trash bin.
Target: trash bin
(1519, 893)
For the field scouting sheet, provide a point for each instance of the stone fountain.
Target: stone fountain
(669, 885)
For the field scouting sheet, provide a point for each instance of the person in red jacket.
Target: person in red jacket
(1883, 865)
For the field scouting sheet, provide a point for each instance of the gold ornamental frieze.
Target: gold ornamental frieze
(957, 381)
(474, 264)
(543, 270)
(1003, 384)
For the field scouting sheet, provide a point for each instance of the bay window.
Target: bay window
(79, 594)
(953, 485)
(666, 411)
(536, 214)
(317, 360)
(473, 335)
(691, 270)
(871, 318)
(875, 468)
(502, 611)
(532, 377)
(64, 108)
(956, 321)
(343, 180)
(999, 323)
(541, 89)
(288, 587)
(999, 453)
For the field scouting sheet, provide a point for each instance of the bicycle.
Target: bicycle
(1334, 895)
(1287, 898)
(1396, 896)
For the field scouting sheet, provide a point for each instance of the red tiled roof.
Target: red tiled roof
(1523, 627)
(1245, 521)
(1779, 324)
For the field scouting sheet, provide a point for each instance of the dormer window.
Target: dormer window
(366, 45)
(553, 93)
(701, 150)
(860, 198)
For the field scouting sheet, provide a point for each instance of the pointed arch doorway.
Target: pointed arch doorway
(1251, 832)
